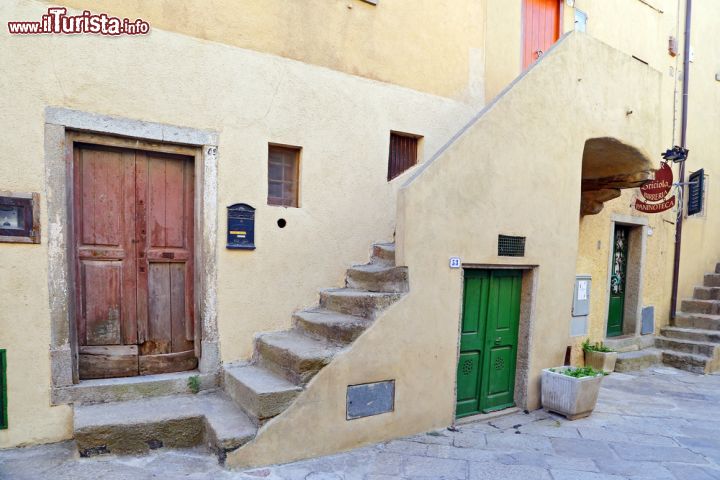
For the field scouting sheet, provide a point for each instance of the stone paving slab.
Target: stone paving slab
(659, 424)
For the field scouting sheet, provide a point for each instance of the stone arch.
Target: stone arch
(610, 165)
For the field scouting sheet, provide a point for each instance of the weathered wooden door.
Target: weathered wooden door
(133, 227)
(488, 344)
(541, 28)
(618, 269)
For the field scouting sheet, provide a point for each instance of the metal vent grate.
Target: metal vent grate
(3, 390)
(509, 246)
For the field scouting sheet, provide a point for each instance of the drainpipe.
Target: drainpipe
(683, 143)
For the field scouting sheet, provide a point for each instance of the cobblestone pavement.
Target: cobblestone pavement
(657, 424)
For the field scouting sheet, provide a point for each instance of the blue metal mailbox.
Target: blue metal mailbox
(241, 227)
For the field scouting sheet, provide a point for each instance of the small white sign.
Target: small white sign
(582, 293)
(454, 262)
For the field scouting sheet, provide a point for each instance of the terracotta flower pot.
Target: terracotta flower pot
(604, 361)
(569, 396)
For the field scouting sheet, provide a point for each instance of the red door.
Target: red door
(541, 28)
(133, 225)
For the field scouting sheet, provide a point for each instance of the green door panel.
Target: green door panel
(498, 384)
(472, 341)
(618, 270)
(488, 344)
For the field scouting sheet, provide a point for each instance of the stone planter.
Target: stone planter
(604, 361)
(571, 397)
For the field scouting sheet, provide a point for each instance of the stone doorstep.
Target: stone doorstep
(630, 343)
(484, 417)
(132, 388)
(637, 360)
(176, 421)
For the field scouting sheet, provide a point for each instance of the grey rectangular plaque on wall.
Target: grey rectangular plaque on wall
(370, 399)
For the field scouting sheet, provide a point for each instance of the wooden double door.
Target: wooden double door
(488, 341)
(133, 230)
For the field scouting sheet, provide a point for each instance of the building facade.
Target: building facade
(191, 190)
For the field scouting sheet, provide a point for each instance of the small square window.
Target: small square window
(19, 217)
(283, 175)
(403, 153)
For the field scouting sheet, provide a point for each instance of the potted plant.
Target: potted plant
(571, 391)
(599, 356)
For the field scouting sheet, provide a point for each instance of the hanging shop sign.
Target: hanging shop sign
(656, 191)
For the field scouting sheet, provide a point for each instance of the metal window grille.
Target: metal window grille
(3, 391)
(509, 246)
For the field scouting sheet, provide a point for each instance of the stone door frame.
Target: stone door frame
(60, 125)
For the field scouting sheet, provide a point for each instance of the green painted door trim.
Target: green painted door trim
(3, 391)
(618, 271)
(488, 341)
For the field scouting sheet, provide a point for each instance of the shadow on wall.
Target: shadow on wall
(610, 165)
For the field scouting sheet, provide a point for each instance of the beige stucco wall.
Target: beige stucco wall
(341, 121)
(700, 247)
(595, 249)
(425, 45)
(498, 177)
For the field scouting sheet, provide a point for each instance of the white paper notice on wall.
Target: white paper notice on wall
(454, 262)
(582, 290)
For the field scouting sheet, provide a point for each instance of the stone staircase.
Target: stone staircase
(692, 342)
(282, 365)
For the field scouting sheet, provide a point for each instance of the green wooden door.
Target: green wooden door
(488, 344)
(616, 309)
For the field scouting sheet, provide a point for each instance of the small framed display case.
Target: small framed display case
(19, 217)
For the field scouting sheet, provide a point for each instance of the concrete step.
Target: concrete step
(686, 346)
(630, 343)
(260, 392)
(377, 277)
(712, 280)
(695, 334)
(710, 307)
(295, 356)
(687, 361)
(383, 253)
(175, 421)
(706, 293)
(697, 320)
(637, 360)
(356, 302)
(333, 326)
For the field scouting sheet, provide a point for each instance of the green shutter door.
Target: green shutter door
(488, 344)
(618, 268)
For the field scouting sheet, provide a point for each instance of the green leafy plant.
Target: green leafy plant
(595, 347)
(579, 372)
(194, 384)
